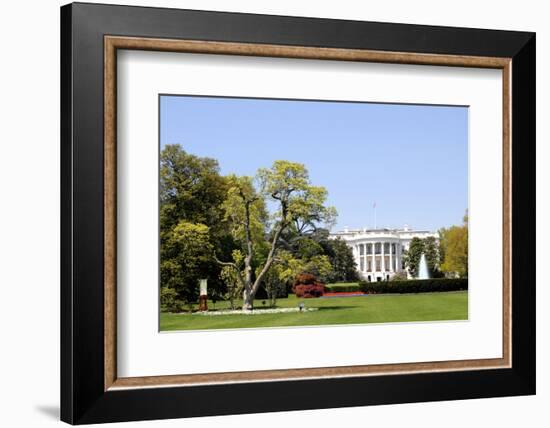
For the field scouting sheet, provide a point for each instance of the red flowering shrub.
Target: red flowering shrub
(306, 286)
(305, 278)
(307, 291)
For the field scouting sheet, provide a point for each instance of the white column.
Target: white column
(399, 262)
(373, 259)
(391, 257)
(397, 256)
(382, 256)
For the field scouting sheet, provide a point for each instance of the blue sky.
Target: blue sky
(412, 160)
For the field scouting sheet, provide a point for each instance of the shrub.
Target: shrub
(168, 299)
(399, 276)
(307, 290)
(415, 286)
(352, 288)
(306, 285)
(305, 278)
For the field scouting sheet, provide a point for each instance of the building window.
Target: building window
(378, 264)
(377, 248)
(393, 248)
(369, 248)
(369, 265)
(362, 264)
(387, 248)
(361, 249)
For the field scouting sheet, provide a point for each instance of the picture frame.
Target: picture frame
(91, 391)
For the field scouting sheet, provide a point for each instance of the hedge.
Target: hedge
(342, 288)
(414, 285)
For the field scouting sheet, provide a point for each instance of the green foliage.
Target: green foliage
(191, 189)
(299, 205)
(219, 228)
(191, 192)
(341, 258)
(412, 256)
(320, 267)
(431, 251)
(399, 276)
(427, 246)
(244, 210)
(188, 255)
(291, 267)
(274, 285)
(308, 248)
(233, 286)
(287, 184)
(414, 286)
(168, 300)
(454, 245)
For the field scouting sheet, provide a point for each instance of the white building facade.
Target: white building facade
(378, 253)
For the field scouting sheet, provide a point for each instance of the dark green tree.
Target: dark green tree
(412, 256)
(342, 260)
(191, 194)
(427, 246)
(431, 251)
(191, 189)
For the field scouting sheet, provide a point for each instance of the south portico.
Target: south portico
(378, 253)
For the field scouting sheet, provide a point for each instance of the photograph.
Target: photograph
(272, 211)
(298, 212)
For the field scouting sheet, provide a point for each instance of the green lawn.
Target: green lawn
(337, 310)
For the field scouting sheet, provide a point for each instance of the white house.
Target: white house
(378, 252)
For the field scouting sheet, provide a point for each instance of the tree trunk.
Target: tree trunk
(248, 298)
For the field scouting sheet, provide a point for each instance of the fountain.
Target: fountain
(423, 272)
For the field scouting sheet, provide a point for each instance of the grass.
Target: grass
(332, 311)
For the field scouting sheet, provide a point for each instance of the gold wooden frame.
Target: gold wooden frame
(113, 43)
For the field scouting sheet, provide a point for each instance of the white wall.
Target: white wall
(29, 214)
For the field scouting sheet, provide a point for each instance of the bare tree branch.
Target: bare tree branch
(231, 264)
(234, 266)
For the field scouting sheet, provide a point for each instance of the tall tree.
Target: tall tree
(431, 251)
(285, 185)
(188, 254)
(413, 255)
(427, 246)
(191, 191)
(341, 259)
(454, 242)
